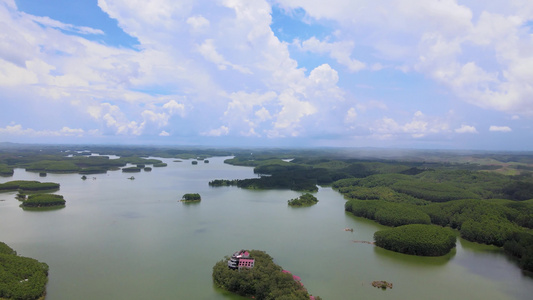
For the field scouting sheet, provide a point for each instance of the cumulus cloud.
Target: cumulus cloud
(340, 51)
(500, 128)
(482, 53)
(208, 50)
(351, 115)
(466, 129)
(222, 130)
(198, 23)
(18, 130)
(174, 107)
(205, 64)
(419, 126)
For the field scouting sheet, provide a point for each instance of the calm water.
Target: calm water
(132, 239)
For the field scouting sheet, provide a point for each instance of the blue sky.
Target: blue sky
(437, 74)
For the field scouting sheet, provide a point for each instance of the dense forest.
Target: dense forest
(191, 197)
(28, 186)
(265, 281)
(21, 278)
(44, 200)
(304, 200)
(489, 203)
(417, 239)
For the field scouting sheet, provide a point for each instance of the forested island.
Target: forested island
(304, 200)
(28, 186)
(21, 278)
(265, 281)
(44, 201)
(417, 239)
(56, 159)
(191, 197)
(131, 170)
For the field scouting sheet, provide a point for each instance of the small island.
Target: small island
(254, 274)
(382, 284)
(131, 170)
(191, 198)
(417, 239)
(22, 277)
(304, 200)
(28, 186)
(223, 182)
(43, 201)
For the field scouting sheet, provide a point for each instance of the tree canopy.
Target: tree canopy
(21, 278)
(265, 281)
(304, 200)
(191, 197)
(417, 239)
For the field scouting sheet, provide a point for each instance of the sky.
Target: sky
(432, 74)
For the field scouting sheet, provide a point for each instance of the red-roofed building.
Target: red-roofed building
(241, 259)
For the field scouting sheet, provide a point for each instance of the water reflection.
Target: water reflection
(413, 260)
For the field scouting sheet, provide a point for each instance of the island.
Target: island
(131, 170)
(22, 277)
(28, 186)
(191, 197)
(43, 201)
(417, 239)
(253, 273)
(304, 200)
(382, 284)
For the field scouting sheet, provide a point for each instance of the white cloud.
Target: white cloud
(174, 107)
(71, 131)
(18, 130)
(263, 114)
(351, 115)
(47, 22)
(324, 75)
(466, 129)
(419, 126)
(160, 119)
(191, 69)
(198, 23)
(500, 128)
(484, 54)
(222, 130)
(164, 133)
(340, 51)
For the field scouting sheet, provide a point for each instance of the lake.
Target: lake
(132, 239)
